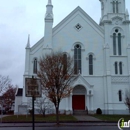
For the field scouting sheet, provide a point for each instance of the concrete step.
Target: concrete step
(91, 112)
(80, 112)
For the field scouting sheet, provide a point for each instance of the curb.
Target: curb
(62, 122)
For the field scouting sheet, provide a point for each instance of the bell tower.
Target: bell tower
(113, 8)
(115, 22)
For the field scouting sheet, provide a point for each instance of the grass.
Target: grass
(52, 118)
(112, 117)
(40, 118)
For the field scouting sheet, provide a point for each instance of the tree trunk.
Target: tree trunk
(57, 115)
(43, 112)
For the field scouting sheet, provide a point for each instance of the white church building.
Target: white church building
(101, 55)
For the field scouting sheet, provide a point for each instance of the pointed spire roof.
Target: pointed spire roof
(49, 2)
(49, 11)
(28, 42)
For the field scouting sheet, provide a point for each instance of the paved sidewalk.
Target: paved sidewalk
(54, 124)
(86, 118)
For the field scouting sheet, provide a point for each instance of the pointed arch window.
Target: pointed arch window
(120, 95)
(117, 48)
(90, 64)
(116, 68)
(119, 44)
(120, 67)
(115, 5)
(77, 59)
(64, 63)
(35, 66)
(114, 43)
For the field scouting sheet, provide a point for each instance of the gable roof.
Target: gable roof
(80, 80)
(37, 43)
(19, 92)
(82, 12)
(67, 18)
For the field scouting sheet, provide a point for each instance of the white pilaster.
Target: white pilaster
(70, 106)
(24, 98)
(88, 104)
(67, 104)
(108, 79)
(91, 103)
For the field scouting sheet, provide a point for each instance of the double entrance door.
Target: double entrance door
(78, 102)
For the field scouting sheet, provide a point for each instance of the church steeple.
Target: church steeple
(49, 12)
(47, 46)
(49, 2)
(28, 42)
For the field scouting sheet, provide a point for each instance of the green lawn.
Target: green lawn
(112, 117)
(23, 118)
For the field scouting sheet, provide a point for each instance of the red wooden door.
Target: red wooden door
(78, 102)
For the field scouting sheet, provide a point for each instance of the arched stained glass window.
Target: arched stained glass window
(77, 59)
(114, 43)
(35, 66)
(90, 64)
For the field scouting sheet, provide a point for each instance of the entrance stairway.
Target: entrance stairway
(80, 112)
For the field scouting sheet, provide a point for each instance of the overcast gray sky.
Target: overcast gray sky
(18, 18)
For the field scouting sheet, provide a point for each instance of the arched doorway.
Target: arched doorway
(79, 98)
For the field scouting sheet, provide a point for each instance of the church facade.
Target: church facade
(101, 56)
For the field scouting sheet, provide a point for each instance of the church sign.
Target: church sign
(32, 87)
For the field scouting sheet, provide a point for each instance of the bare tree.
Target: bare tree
(9, 96)
(127, 99)
(4, 82)
(56, 73)
(41, 105)
(44, 104)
